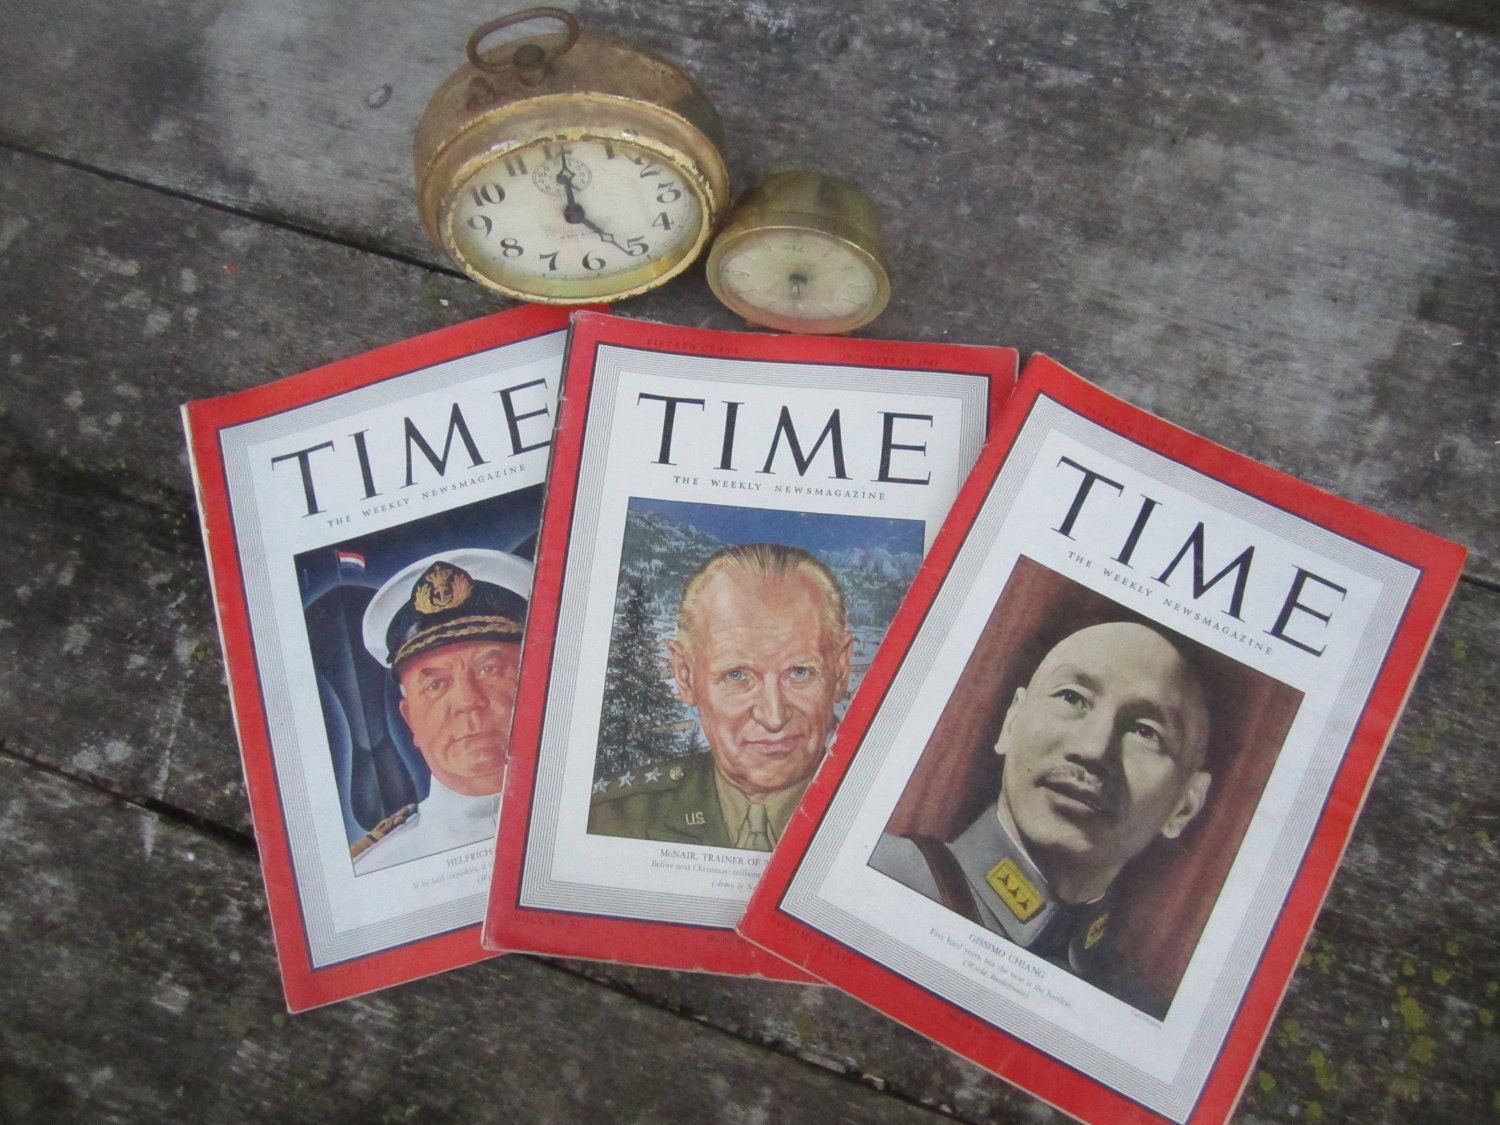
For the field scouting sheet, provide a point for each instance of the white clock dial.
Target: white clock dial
(798, 280)
(579, 211)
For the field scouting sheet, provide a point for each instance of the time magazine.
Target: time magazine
(732, 521)
(370, 529)
(1079, 820)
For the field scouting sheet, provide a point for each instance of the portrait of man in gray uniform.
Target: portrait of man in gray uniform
(1104, 753)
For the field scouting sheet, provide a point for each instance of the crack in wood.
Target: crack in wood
(147, 803)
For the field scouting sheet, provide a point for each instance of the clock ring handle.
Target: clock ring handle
(528, 57)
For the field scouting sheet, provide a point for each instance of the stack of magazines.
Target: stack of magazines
(1032, 720)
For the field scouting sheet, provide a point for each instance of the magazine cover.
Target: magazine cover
(1080, 818)
(733, 520)
(371, 528)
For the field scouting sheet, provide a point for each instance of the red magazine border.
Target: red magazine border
(304, 985)
(508, 924)
(1438, 564)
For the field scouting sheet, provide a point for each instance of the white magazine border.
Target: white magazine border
(929, 670)
(299, 751)
(593, 559)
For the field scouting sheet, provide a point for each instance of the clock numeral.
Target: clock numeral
(609, 151)
(593, 262)
(510, 248)
(665, 193)
(551, 260)
(651, 170)
(487, 193)
(515, 165)
(635, 247)
(662, 221)
(480, 223)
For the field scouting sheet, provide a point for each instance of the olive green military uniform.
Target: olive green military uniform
(673, 801)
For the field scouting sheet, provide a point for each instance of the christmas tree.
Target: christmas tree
(641, 719)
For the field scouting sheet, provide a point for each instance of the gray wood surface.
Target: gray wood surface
(141, 988)
(1274, 224)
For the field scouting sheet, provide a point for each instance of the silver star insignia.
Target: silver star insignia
(626, 781)
(601, 785)
(653, 775)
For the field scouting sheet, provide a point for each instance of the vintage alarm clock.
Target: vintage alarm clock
(801, 253)
(569, 167)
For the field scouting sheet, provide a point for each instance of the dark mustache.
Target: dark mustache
(1074, 780)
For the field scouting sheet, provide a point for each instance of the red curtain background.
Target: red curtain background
(1168, 892)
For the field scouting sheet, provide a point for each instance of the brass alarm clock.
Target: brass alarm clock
(569, 167)
(801, 253)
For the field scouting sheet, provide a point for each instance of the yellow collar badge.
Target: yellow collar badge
(1015, 890)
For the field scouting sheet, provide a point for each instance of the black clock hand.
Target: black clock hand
(573, 211)
(603, 234)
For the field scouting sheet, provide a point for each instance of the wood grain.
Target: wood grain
(144, 988)
(1272, 223)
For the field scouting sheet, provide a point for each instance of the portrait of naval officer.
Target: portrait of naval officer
(1104, 752)
(762, 651)
(449, 629)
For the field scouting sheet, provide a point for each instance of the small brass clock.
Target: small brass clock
(569, 167)
(801, 253)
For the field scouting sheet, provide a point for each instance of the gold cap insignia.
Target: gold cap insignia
(443, 587)
(677, 773)
(1015, 890)
(1096, 931)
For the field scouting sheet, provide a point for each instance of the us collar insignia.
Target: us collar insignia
(1015, 890)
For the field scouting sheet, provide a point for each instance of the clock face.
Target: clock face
(798, 281)
(576, 219)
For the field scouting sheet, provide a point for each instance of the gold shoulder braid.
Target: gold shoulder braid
(382, 830)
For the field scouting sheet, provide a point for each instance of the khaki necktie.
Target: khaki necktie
(758, 838)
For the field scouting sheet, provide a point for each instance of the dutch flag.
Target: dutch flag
(348, 560)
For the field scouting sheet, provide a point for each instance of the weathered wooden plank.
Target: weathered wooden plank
(1412, 841)
(121, 304)
(109, 609)
(139, 981)
(1274, 223)
(1477, 14)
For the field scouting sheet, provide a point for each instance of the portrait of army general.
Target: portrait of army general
(762, 652)
(1087, 786)
(738, 635)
